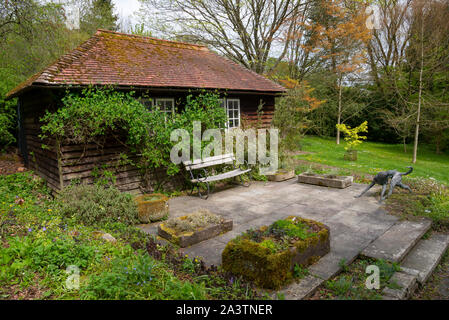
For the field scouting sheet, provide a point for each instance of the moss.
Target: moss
(267, 266)
(152, 207)
(174, 237)
(257, 263)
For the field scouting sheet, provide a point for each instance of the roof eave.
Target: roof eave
(19, 92)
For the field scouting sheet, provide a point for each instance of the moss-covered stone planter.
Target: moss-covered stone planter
(326, 180)
(281, 175)
(268, 262)
(200, 231)
(152, 207)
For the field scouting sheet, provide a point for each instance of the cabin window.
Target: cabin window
(233, 112)
(166, 104)
(147, 102)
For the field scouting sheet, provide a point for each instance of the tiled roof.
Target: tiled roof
(111, 58)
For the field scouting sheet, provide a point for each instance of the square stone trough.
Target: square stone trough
(331, 181)
(267, 269)
(190, 238)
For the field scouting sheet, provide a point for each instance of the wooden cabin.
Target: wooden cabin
(166, 71)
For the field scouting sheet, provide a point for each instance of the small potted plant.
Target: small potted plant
(353, 139)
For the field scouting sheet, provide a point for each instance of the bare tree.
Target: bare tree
(244, 31)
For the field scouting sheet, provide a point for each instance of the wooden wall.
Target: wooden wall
(59, 167)
(43, 162)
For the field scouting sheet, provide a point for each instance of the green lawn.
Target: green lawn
(374, 157)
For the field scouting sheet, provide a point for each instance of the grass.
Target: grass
(374, 157)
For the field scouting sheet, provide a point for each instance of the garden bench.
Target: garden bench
(204, 177)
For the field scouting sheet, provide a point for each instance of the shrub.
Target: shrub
(291, 114)
(94, 204)
(352, 137)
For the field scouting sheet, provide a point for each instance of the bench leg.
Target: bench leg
(204, 197)
(243, 183)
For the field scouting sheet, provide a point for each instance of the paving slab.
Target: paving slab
(403, 286)
(209, 251)
(425, 256)
(395, 243)
(354, 223)
(302, 289)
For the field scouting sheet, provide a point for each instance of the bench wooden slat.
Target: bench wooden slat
(209, 162)
(197, 161)
(222, 176)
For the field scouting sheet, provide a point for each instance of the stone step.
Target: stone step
(425, 256)
(402, 286)
(300, 290)
(397, 241)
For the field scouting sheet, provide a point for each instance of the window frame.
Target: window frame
(227, 112)
(172, 100)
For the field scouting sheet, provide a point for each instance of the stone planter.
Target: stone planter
(190, 238)
(152, 207)
(351, 155)
(331, 181)
(267, 269)
(281, 175)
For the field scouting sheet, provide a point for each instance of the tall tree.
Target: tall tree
(339, 35)
(428, 55)
(244, 31)
(98, 14)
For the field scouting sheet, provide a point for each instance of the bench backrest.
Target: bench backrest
(209, 162)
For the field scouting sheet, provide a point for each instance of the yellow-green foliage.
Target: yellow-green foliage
(263, 263)
(352, 137)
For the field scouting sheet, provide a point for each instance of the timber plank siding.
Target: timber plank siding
(61, 166)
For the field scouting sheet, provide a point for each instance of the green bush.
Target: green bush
(96, 205)
(97, 113)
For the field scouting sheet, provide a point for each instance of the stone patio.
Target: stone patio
(354, 223)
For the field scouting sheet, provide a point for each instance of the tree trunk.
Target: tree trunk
(339, 110)
(405, 144)
(418, 116)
